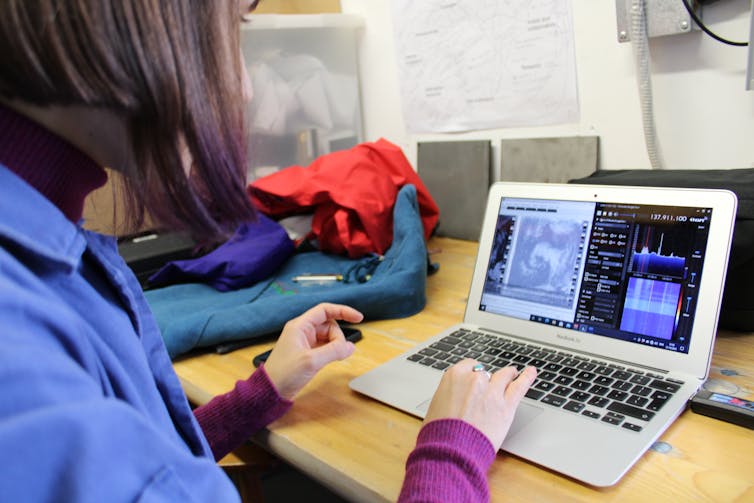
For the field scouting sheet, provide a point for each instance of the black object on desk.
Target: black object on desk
(727, 408)
(146, 253)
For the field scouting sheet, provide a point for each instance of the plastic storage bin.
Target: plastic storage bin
(304, 73)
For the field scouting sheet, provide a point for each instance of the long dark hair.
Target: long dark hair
(171, 68)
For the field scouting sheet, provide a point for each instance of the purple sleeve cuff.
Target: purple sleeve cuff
(229, 420)
(448, 464)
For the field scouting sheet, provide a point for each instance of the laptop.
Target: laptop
(613, 293)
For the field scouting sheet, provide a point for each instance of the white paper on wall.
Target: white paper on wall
(485, 64)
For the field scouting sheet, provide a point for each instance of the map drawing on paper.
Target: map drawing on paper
(484, 64)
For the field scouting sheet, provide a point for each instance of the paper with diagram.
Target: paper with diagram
(467, 65)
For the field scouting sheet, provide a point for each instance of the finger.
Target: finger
(518, 387)
(330, 331)
(480, 370)
(330, 352)
(458, 371)
(465, 365)
(342, 312)
(323, 313)
(503, 378)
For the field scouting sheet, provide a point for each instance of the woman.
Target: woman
(92, 408)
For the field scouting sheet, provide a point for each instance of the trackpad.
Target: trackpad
(525, 414)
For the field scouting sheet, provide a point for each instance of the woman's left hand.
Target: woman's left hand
(308, 343)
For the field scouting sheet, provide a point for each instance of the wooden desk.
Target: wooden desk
(358, 447)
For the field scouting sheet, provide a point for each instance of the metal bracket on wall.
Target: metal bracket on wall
(664, 17)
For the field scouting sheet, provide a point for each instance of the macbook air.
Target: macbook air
(613, 293)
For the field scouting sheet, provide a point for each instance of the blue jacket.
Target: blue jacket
(91, 408)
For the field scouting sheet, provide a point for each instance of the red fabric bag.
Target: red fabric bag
(351, 194)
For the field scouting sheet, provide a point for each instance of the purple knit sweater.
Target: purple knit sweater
(451, 457)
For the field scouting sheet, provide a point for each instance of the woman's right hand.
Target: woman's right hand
(308, 343)
(488, 404)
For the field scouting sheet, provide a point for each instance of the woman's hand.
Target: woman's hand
(488, 404)
(307, 344)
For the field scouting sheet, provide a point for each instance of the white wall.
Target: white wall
(704, 117)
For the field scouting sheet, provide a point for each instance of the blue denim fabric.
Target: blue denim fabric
(196, 315)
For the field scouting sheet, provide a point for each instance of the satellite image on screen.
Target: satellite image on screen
(543, 262)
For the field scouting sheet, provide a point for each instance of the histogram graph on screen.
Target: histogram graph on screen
(659, 250)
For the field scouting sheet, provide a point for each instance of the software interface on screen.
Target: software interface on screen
(626, 271)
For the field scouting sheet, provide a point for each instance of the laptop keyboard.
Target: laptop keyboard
(597, 389)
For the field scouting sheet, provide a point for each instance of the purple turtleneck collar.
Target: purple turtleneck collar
(58, 170)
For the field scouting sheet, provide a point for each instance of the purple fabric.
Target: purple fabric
(69, 175)
(229, 420)
(449, 464)
(255, 251)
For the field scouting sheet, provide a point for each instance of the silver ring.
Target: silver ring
(480, 368)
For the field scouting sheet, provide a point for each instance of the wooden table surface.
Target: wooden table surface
(358, 447)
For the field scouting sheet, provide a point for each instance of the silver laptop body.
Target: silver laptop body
(627, 281)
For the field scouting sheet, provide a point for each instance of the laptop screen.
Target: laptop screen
(625, 271)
